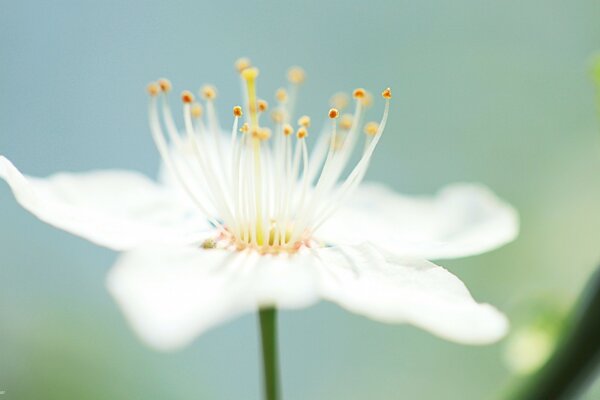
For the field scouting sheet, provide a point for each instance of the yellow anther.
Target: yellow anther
(244, 128)
(242, 63)
(263, 133)
(262, 105)
(359, 93)
(208, 92)
(250, 73)
(371, 128)
(296, 75)
(187, 96)
(302, 133)
(367, 100)
(277, 116)
(387, 93)
(287, 130)
(346, 121)
(237, 111)
(304, 121)
(165, 84)
(334, 113)
(339, 100)
(196, 110)
(152, 89)
(281, 95)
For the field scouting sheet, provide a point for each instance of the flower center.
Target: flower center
(260, 186)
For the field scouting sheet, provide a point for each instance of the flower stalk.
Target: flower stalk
(268, 333)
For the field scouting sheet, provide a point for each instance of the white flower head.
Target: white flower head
(253, 219)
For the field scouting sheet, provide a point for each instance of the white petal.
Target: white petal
(461, 220)
(116, 209)
(171, 295)
(363, 280)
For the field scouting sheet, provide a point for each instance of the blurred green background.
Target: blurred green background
(490, 91)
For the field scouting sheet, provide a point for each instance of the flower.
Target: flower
(251, 219)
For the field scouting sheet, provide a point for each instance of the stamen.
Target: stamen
(304, 121)
(346, 122)
(187, 96)
(152, 89)
(340, 100)
(262, 105)
(287, 130)
(281, 95)
(302, 133)
(334, 113)
(165, 85)
(196, 110)
(208, 92)
(242, 63)
(237, 111)
(371, 128)
(296, 75)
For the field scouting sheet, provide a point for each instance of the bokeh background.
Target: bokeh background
(489, 91)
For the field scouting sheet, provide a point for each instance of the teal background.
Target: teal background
(490, 91)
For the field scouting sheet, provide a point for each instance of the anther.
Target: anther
(196, 110)
(244, 128)
(367, 100)
(296, 75)
(264, 133)
(287, 129)
(242, 63)
(187, 96)
(281, 95)
(302, 133)
(371, 128)
(304, 121)
(346, 122)
(165, 84)
(277, 116)
(334, 113)
(339, 100)
(152, 89)
(237, 111)
(250, 73)
(262, 105)
(359, 93)
(387, 93)
(208, 92)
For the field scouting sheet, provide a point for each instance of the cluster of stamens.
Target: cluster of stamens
(260, 186)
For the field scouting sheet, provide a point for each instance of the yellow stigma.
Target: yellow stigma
(339, 100)
(296, 75)
(287, 129)
(346, 122)
(262, 105)
(304, 121)
(208, 92)
(277, 116)
(187, 96)
(359, 93)
(152, 89)
(196, 110)
(302, 133)
(244, 128)
(371, 128)
(237, 111)
(334, 113)
(387, 93)
(242, 63)
(165, 84)
(281, 95)
(250, 73)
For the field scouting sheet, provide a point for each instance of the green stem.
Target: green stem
(268, 333)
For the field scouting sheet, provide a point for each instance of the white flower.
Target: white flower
(251, 220)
